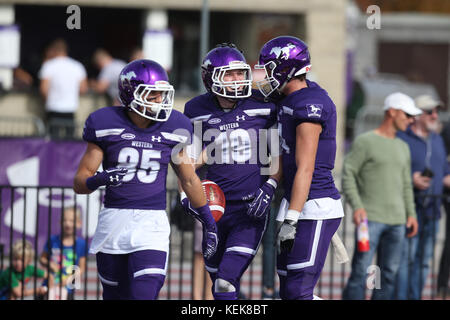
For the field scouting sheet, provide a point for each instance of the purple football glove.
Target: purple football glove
(259, 207)
(203, 214)
(110, 177)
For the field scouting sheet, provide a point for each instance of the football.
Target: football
(215, 198)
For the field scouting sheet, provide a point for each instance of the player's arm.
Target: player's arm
(188, 181)
(307, 140)
(276, 168)
(202, 159)
(87, 168)
(263, 196)
(197, 205)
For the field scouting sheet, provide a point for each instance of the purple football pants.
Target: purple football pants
(299, 270)
(239, 239)
(134, 276)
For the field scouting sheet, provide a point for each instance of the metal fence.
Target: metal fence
(33, 214)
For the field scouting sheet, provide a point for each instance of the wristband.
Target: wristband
(205, 215)
(292, 215)
(272, 182)
(92, 183)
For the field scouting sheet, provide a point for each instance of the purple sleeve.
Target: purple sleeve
(310, 112)
(89, 131)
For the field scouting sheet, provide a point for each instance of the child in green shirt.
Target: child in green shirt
(20, 273)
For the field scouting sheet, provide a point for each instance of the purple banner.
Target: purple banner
(43, 167)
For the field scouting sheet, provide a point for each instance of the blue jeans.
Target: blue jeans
(387, 241)
(415, 264)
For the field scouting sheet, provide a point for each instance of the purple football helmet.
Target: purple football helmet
(282, 58)
(138, 82)
(223, 58)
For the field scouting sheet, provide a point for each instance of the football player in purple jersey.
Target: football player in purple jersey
(232, 119)
(135, 144)
(311, 210)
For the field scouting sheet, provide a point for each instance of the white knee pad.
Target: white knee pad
(223, 286)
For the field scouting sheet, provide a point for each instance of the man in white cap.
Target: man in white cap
(377, 184)
(428, 168)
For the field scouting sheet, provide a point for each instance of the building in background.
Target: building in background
(409, 53)
(120, 26)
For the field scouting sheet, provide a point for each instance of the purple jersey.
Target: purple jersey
(145, 152)
(311, 104)
(234, 163)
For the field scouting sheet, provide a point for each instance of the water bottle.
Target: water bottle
(363, 236)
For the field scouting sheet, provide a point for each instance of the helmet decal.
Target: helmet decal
(281, 59)
(282, 53)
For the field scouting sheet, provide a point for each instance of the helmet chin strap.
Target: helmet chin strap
(288, 78)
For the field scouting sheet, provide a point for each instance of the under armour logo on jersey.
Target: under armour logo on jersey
(314, 110)
(158, 138)
(114, 178)
(240, 118)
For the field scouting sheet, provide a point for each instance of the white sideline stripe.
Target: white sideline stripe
(174, 137)
(201, 118)
(288, 110)
(149, 271)
(110, 283)
(312, 259)
(241, 249)
(209, 269)
(108, 132)
(257, 112)
(218, 208)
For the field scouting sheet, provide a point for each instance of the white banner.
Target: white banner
(9, 46)
(158, 46)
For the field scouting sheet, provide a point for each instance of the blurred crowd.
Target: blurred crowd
(62, 79)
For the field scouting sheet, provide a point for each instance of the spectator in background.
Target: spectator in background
(66, 254)
(22, 79)
(444, 265)
(107, 81)
(429, 168)
(62, 81)
(377, 184)
(14, 280)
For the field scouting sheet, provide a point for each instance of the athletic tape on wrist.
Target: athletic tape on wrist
(272, 182)
(292, 215)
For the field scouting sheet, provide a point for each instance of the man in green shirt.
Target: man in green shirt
(377, 184)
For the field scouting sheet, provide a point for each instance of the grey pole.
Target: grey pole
(204, 37)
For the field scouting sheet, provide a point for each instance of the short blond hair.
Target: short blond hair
(73, 209)
(21, 247)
